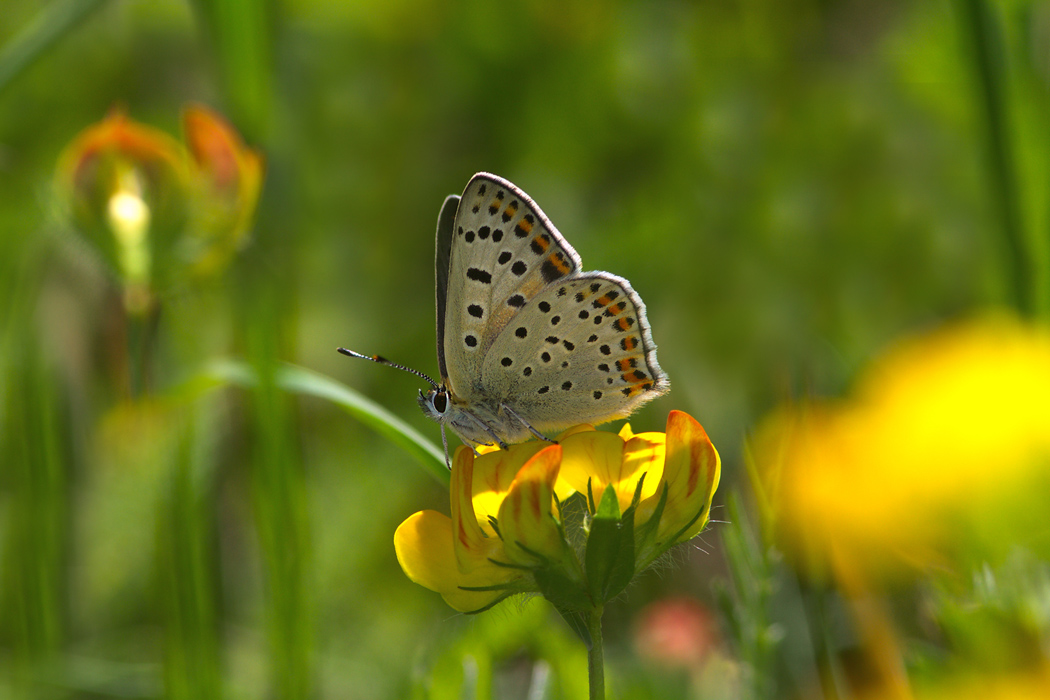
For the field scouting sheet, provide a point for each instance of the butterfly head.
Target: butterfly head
(435, 403)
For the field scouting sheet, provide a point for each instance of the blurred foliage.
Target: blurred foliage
(790, 185)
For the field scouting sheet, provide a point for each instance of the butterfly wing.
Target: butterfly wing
(504, 252)
(445, 229)
(580, 351)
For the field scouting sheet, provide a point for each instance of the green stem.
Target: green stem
(987, 40)
(141, 332)
(596, 655)
(814, 602)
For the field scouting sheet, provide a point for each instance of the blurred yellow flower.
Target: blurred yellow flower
(228, 176)
(125, 186)
(1003, 687)
(153, 208)
(941, 450)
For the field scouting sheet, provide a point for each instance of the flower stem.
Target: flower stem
(595, 655)
(987, 46)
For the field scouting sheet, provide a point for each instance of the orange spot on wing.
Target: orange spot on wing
(622, 324)
(558, 260)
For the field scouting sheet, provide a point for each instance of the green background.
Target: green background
(789, 186)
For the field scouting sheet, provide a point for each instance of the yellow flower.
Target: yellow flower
(681, 461)
(943, 449)
(463, 557)
(505, 535)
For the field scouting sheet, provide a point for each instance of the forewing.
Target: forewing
(443, 248)
(580, 351)
(504, 252)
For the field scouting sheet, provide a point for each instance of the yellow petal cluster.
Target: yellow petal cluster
(457, 556)
(504, 520)
(682, 460)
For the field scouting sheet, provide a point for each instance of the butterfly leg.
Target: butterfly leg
(485, 426)
(524, 422)
(444, 441)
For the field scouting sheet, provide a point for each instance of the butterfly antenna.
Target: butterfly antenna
(388, 363)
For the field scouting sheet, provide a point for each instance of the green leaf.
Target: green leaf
(303, 381)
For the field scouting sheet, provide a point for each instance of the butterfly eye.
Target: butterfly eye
(440, 401)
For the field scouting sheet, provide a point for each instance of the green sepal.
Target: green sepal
(490, 605)
(591, 507)
(610, 549)
(682, 530)
(578, 622)
(562, 591)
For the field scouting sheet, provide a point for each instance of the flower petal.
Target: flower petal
(494, 472)
(229, 179)
(691, 472)
(645, 453)
(473, 547)
(597, 457)
(526, 522)
(424, 548)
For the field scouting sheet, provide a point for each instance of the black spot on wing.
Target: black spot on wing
(479, 275)
(550, 271)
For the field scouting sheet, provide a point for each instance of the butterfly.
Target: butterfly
(526, 341)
